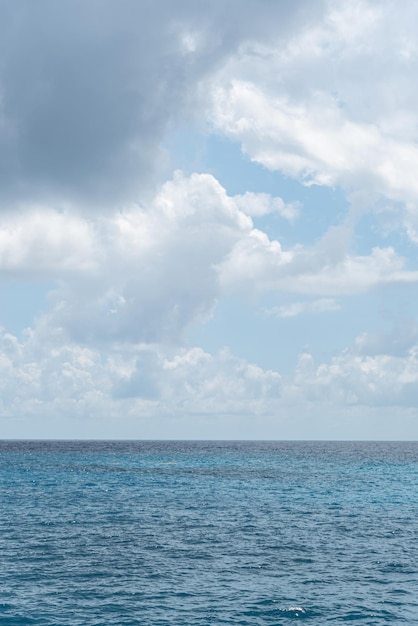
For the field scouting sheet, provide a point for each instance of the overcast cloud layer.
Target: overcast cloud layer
(140, 256)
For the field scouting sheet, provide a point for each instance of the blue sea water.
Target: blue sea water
(207, 533)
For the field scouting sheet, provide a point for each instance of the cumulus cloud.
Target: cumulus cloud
(87, 88)
(44, 377)
(151, 271)
(259, 264)
(351, 379)
(47, 385)
(260, 204)
(42, 241)
(154, 267)
(336, 106)
(323, 92)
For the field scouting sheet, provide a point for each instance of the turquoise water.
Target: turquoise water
(202, 533)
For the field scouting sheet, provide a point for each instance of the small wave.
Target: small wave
(294, 611)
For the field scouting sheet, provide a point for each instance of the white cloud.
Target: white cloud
(51, 389)
(335, 105)
(328, 98)
(149, 272)
(258, 264)
(42, 378)
(318, 142)
(323, 305)
(144, 274)
(260, 204)
(351, 379)
(43, 241)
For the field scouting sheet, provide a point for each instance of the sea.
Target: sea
(199, 533)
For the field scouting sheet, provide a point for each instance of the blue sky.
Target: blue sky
(208, 219)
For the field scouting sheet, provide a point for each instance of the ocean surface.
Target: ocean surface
(201, 533)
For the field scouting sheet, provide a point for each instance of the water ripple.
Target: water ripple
(200, 533)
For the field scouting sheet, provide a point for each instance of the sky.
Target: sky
(209, 219)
